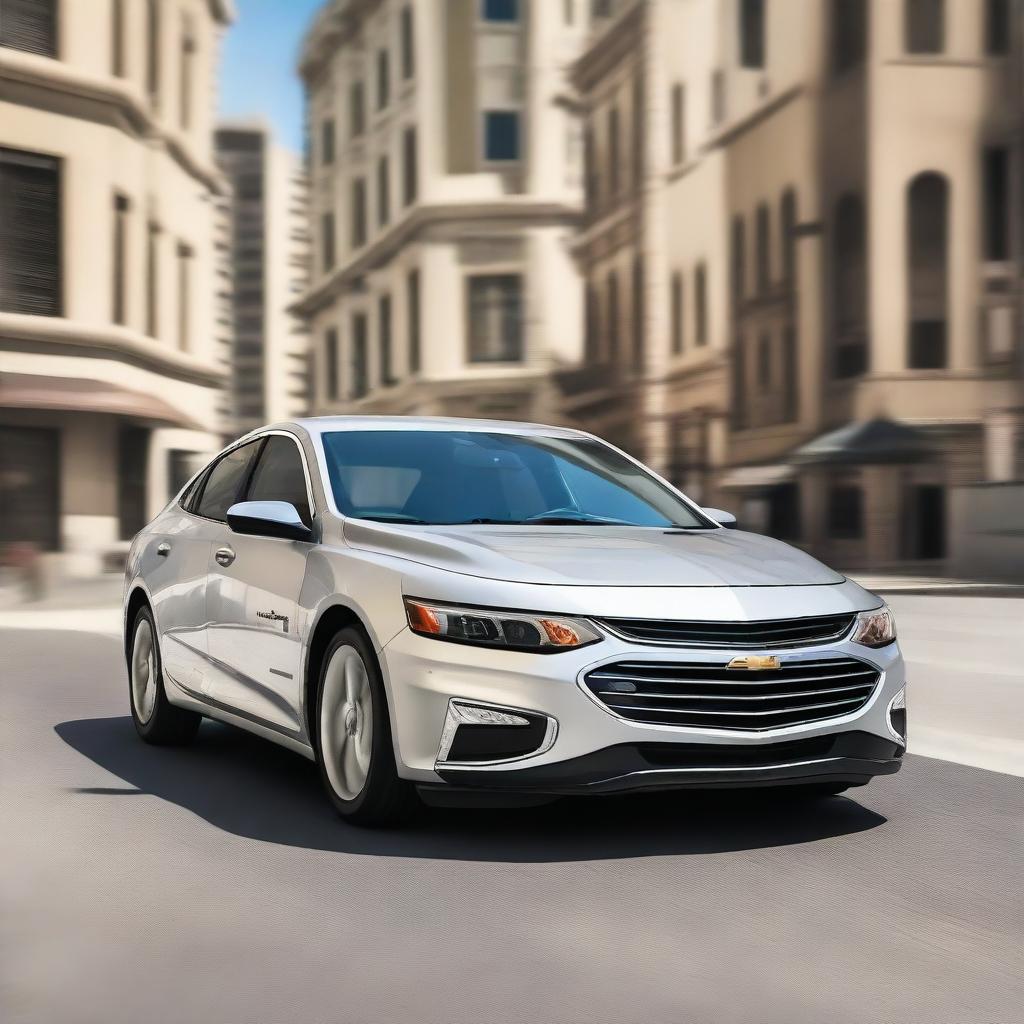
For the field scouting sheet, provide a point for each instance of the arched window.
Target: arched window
(927, 266)
(849, 287)
(787, 233)
(924, 26)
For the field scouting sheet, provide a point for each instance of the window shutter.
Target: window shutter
(29, 234)
(29, 25)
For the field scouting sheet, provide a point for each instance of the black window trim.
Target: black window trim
(200, 484)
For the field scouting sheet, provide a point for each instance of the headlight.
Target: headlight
(875, 628)
(519, 631)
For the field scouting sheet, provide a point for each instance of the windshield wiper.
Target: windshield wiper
(396, 518)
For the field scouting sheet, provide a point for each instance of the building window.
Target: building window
(678, 123)
(700, 305)
(924, 26)
(410, 167)
(637, 142)
(358, 225)
(152, 279)
(383, 191)
(790, 375)
(30, 27)
(122, 209)
(413, 321)
(614, 152)
(849, 287)
(327, 141)
(676, 319)
(383, 79)
(408, 49)
(739, 260)
(184, 296)
(499, 10)
(612, 318)
(927, 244)
(590, 179)
(30, 233)
(995, 191)
(186, 73)
(997, 27)
(849, 34)
(845, 512)
(117, 64)
(568, 11)
(495, 318)
(787, 233)
(764, 362)
(501, 135)
(327, 248)
(638, 314)
(591, 325)
(153, 51)
(763, 245)
(387, 376)
(738, 404)
(752, 33)
(717, 97)
(356, 109)
(331, 365)
(360, 356)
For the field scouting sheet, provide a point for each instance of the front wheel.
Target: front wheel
(354, 747)
(156, 719)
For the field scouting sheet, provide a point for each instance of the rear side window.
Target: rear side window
(279, 476)
(224, 482)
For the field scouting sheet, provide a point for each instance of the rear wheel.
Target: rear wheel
(156, 719)
(354, 748)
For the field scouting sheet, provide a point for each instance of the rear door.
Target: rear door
(253, 599)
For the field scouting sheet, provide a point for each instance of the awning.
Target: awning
(871, 442)
(78, 394)
(758, 476)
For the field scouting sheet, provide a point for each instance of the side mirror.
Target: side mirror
(268, 519)
(720, 516)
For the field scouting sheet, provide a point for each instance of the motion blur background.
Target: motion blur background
(773, 248)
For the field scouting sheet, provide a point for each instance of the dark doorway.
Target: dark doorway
(133, 463)
(30, 486)
(928, 521)
(784, 512)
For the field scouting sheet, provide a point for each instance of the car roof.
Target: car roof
(328, 424)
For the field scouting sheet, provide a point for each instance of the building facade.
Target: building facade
(830, 252)
(268, 254)
(109, 373)
(445, 187)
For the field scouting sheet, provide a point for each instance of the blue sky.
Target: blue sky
(258, 68)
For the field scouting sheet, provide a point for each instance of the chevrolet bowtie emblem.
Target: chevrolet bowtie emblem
(753, 662)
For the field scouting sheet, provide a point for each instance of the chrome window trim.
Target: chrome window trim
(249, 439)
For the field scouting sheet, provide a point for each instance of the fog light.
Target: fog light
(897, 716)
(482, 733)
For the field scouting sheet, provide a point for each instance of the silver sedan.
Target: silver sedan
(454, 610)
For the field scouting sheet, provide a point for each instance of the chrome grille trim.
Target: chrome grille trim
(709, 695)
(762, 634)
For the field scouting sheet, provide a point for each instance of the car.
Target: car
(442, 611)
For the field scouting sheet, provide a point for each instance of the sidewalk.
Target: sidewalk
(86, 605)
(880, 583)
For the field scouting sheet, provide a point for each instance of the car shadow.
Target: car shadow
(250, 787)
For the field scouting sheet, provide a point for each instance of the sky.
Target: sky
(258, 64)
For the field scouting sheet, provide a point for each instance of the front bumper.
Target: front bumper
(588, 749)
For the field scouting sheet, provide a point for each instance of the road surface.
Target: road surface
(215, 885)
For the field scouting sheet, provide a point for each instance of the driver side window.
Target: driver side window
(224, 481)
(279, 476)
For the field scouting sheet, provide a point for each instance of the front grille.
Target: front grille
(761, 635)
(706, 695)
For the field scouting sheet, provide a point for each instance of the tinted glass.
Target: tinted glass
(225, 480)
(438, 477)
(279, 476)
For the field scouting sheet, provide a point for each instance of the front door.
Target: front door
(253, 601)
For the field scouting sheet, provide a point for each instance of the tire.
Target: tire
(156, 719)
(352, 729)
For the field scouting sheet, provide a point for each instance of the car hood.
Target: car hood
(597, 556)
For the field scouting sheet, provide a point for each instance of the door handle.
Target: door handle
(164, 549)
(224, 556)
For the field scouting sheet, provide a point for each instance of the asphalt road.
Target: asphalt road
(215, 885)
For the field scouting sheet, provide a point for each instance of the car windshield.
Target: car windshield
(443, 477)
